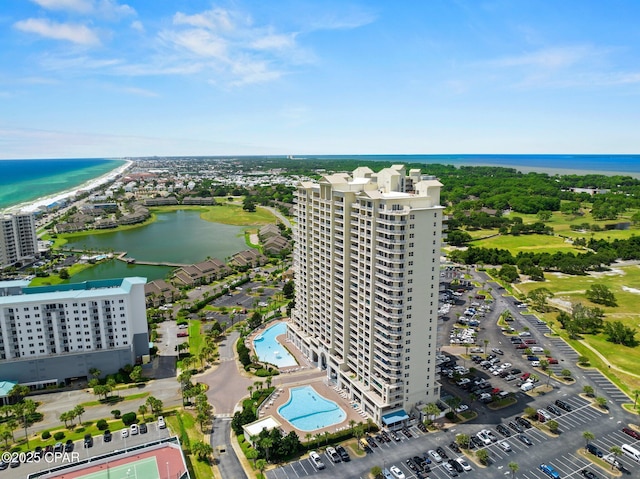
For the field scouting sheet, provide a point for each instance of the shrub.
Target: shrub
(129, 418)
(46, 435)
(58, 436)
(102, 425)
(116, 413)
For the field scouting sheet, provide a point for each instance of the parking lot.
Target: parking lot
(562, 452)
(99, 448)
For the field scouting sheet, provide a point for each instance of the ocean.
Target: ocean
(560, 164)
(27, 180)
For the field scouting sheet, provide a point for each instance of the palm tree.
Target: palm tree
(142, 410)
(78, 412)
(253, 455)
(269, 380)
(513, 466)
(266, 443)
(261, 465)
(588, 436)
(616, 451)
(250, 389)
(5, 436)
(636, 394)
(308, 437)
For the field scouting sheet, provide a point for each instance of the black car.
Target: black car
(38, 452)
(594, 450)
(523, 422)
(106, 437)
(502, 429)
(372, 441)
(454, 447)
(516, 427)
(344, 455)
(68, 446)
(588, 474)
(524, 439)
(476, 441)
(412, 465)
(456, 465)
(515, 371)
(88, 440)
(142, 428)
(3, 465)
(442, 453)
(563, 405)
(554, 410)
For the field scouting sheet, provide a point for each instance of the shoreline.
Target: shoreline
(34, 205)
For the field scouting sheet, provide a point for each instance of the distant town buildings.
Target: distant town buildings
(18, 239)
(52, 334)
(367, 261)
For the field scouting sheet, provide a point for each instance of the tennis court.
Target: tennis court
(146, 468)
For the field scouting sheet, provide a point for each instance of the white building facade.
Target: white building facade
(18, 239)
(51, 334)
(366, 262)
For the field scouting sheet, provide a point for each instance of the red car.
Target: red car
(522, 346)
(183, 334)
(631, 432)
(552, 360)
(530, 341)
(525, 376)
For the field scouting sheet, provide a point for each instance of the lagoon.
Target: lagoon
(119, 269)
(179, 236)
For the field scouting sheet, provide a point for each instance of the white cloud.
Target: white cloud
(197, 41)
(275, 42)
(71, 32)
(109, 9)
(214, 19)
(549, 58)
(80, 6)
(137, 25)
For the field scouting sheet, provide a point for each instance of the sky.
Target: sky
(114, 78)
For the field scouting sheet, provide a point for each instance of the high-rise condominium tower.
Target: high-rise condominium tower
(366, 261)
(18, 240)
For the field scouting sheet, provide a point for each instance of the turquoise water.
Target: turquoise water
(23, 181)
(176, 237)
(268, 348)
(307, 410)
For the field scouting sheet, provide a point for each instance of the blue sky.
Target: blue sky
(109, 78)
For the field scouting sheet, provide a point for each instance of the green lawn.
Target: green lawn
(533, 243)
(55, 279)
(196, 339)
(235, 215)
(622, 282)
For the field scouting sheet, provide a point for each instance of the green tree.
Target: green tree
(565, 373)
(6, 436)
(431, 410)
(601, 294)
(201, 449)
(553, 426)
(513, 467)
(616, 451)
(588, 436)
(136, 374)
(601, 402)
(19, 392)
(376, 471)
(142, 410)
(539, 297)
(252, 455)
(261, 465)
(64, 273)
(155, 404)
(531, 412)
(78, 411)
(483, 456)
(462, 440)
(588, 390)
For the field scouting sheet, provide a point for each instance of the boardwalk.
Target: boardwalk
(123, 257)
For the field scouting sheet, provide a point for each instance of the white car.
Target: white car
(484, 438)
(450, 469)
(161, 423)
(397, 473)
(462, 408)
(133, 429)
(436, 457)
(124, 433)
(465, 465)
(505, 446)
(315, 458)
(535, 364)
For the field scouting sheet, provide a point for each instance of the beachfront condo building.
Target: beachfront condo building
(366, 263)
(18, 239)
(52, 334)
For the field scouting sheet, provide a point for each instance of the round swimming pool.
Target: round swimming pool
(268, 348)
(307, 410)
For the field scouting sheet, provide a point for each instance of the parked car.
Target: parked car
(563, 405)
(554, 410)
(316, 460)
(344, 455)
(550, 471)
(106, 436)
(69, 445)
(525, 439)
(593, 449)
(88, 441)
(505, 446)
(588, 474)
(631, 432)
(502, 429)
(465, 465)
(523, 422)
(456, 465)
(142, 428)
(397, 472)
(133, 429)
(553, 361)
(436, 457)
(333, 455)
(124, 433)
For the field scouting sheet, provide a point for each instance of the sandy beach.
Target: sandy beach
(32, 206)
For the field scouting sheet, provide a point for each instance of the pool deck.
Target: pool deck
(302, 375)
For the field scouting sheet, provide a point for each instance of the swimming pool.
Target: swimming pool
(268, 348)
(307, 410)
